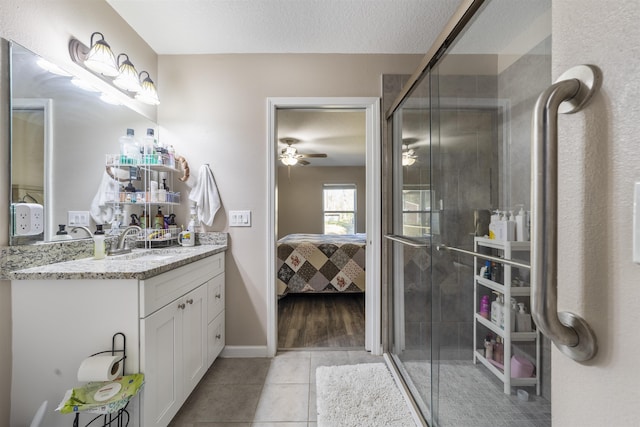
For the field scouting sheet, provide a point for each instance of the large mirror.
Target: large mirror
(60, 136)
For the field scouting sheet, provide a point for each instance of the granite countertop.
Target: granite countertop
(139, 264)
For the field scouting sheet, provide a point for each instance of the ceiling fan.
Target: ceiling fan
(290, 156)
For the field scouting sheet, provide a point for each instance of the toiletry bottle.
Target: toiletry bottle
(487, 270)
(495, 216)
(523, 319)
(501, 311)
(498, 351)
(148, 149)
(509, 313)
(98, 243)
(488, 347)
(520, 229)
(485, 306)
(158, 219)
(128, 148)
(143, 219)
(510, 227)
(496, 309)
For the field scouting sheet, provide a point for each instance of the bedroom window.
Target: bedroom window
(339, 202)
(416, 212)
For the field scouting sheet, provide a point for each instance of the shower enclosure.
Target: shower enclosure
(460, 150)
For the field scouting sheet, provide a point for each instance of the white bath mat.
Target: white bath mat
(362, 395)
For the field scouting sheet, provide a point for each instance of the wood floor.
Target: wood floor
(321, 320)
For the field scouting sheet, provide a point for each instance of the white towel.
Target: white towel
(100, 211)
(205, 194)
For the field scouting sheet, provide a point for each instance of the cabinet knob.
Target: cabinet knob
(190, 301)
(181, 306)
(218, 336)
(218, 296)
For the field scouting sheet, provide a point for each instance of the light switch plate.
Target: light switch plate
(636, 223)
(239, 218)
(78, 218)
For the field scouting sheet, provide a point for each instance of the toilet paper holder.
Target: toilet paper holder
(113, 350)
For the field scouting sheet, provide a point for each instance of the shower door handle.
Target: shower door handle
(413, 242)
(568, 331)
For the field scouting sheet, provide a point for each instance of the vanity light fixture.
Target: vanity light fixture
(100, 61)
(127, 78)
(148, 92)
(100, 57)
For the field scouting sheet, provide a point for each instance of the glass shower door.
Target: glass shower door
(461, 141)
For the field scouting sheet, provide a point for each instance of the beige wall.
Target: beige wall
(214, 110)
(599, 162)
(45, 27)
(300, 197)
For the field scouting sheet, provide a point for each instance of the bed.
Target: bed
(321, 263)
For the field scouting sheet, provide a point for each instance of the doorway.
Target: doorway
(371, 109)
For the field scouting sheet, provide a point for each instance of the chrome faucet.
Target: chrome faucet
(122, 241)
(82, 227)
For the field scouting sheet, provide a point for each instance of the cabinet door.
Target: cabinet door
(162, 364)
(215, 289)
(194, 330)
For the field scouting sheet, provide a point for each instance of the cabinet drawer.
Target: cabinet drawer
(215, 338)
(217, 263)
(158, 291)
(215, 297)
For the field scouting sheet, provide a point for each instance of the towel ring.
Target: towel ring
(185, 168)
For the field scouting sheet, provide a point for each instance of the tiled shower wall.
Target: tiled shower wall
(520, 84)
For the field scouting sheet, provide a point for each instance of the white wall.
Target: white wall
(214, 110)
(45, 27)
(599, 162)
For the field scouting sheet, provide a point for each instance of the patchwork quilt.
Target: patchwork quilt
(321, 263)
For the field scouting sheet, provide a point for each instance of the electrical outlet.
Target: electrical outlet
(28, 219)
(78, 218)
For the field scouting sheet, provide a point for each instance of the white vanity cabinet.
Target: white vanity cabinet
(174, 336)
(173, 323)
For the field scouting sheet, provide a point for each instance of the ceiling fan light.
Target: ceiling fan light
(289, 160)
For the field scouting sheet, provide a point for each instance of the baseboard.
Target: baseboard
(240, 351)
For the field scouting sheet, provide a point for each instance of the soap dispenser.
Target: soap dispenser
(98, 243)
(62, 234)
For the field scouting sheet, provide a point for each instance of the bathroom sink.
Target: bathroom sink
(149, 255)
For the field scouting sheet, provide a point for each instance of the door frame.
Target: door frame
(373, 312)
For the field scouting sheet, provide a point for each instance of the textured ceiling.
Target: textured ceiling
(286, 26)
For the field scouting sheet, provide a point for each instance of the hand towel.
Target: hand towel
(205, 194)
(100, 211)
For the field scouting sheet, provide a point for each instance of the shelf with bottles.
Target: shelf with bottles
(158, 161)
(161, 197)
(498, 370)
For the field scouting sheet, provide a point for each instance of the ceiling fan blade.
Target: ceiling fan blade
(312, 155)
(303, 162)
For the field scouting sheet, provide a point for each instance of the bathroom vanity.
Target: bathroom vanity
(168, 302)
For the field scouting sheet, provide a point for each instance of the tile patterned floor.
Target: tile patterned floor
(278, 392)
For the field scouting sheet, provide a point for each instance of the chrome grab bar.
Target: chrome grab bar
(568, 331)
(415, 243)
(510, 262)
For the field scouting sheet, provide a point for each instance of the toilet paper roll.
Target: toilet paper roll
(100, 368)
